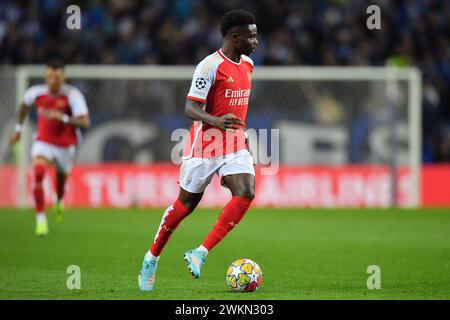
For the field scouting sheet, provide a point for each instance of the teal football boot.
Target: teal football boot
(146, 278)
(194, 260)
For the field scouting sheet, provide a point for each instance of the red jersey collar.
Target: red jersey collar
(225, 57)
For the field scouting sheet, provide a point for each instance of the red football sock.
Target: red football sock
(170, 221)
(231, 214)
(38, 189)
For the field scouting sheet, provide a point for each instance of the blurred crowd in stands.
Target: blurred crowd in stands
(179, 32)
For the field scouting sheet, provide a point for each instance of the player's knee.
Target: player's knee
(246, 193)
(189, 205)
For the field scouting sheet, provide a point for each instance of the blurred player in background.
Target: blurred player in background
(61, 110)
(217, 103)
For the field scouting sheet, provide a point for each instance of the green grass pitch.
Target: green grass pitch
(304, 254)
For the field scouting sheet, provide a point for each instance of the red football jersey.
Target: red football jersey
(69, 101)
(224, 86)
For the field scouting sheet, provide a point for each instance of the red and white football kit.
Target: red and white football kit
(224, 86)
(55, 140)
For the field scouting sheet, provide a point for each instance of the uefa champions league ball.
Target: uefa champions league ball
(244, 275)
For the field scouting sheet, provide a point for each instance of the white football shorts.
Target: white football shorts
(197, 173)
(62, 157)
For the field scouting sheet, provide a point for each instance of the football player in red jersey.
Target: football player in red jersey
(62, 111)
(217, 102)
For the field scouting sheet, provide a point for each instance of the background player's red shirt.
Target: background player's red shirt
(69, 101)
(225, 87)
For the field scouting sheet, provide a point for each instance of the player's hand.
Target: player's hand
(14, 138)
(227, 121)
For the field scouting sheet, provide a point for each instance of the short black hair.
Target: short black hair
(55, 64)
(236, 18)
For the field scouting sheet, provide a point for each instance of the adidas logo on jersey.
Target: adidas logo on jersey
(230, 79)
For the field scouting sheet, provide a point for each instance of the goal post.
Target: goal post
(295, 98)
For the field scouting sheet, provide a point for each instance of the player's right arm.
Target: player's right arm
(204, 77)
(194, 111)
(24, 107)
(21, 115)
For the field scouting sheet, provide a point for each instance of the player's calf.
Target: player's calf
(58, 205)
(39, 198)
(38, 189)
(172, 217)
(231, 215)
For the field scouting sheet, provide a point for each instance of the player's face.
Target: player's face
(247, 41)
(54, 79)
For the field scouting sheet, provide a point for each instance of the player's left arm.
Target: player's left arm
(80, 115)
(82, 121)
